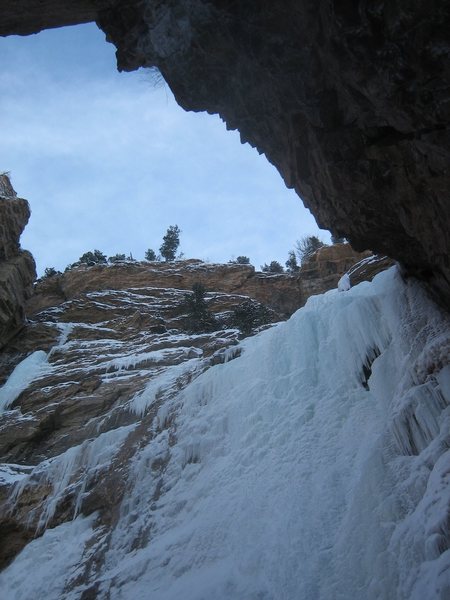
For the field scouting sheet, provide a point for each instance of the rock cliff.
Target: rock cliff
(347, 99)
(102, 342)
(282, 293)
(17, 268)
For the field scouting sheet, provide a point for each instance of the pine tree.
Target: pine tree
(170, 244)
(199, 318)
(274, 267)
(306, 247)
(249, 315)
(243, 260)
(117, 258)
(240, 260)
(92, 258)
(151, 255)
(50, 272)
(291, 263)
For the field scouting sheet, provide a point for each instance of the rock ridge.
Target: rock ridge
(284, 293)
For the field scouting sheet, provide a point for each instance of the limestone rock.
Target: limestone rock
(14, 215)
(322, 271)
(90, 318)
(23, 17)
(16, 286)
(17, 268)
(281, 293)
(367, 268)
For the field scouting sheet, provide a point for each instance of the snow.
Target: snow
(10, 473)
(314, 466)
(374, 258)
(31, 368)
(286, 481)
(134, 361)
(65, 330)
(344, 283)
(52, 569)
(164, 381)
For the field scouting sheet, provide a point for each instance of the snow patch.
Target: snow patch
(344, 283)
(31, 368)
(47, 565)
(163, 382)
(10, 473)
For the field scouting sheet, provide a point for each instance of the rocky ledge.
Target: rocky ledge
(283, 293)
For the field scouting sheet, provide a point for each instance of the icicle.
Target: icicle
(70, 472)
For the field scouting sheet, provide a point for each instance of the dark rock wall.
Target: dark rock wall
(348, 99)
(22, 17)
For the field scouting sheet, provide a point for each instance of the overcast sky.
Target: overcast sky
(109, 161)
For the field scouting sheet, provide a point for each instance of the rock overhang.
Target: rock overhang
(347, 100)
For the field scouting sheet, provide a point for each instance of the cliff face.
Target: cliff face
(102, 343)
(84, 365)
(17, 268)
(348, 100)
(282, 293)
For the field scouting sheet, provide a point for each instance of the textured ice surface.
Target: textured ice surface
(50, 564)
(158, 384)
(75, 467)
(31, 368)
(313, 467)
(344, 283)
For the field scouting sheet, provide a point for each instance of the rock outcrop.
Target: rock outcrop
(87, 366)
(22, 17)
(282, 293)
(17, 268)
(347, 99)
(322, 271)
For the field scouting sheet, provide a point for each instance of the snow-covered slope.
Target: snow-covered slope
(314, 466)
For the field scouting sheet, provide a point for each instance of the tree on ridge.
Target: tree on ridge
(170, 244)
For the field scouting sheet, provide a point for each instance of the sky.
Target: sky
(108, 161)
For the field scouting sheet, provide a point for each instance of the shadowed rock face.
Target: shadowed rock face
(23, 17)
(349, 100)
